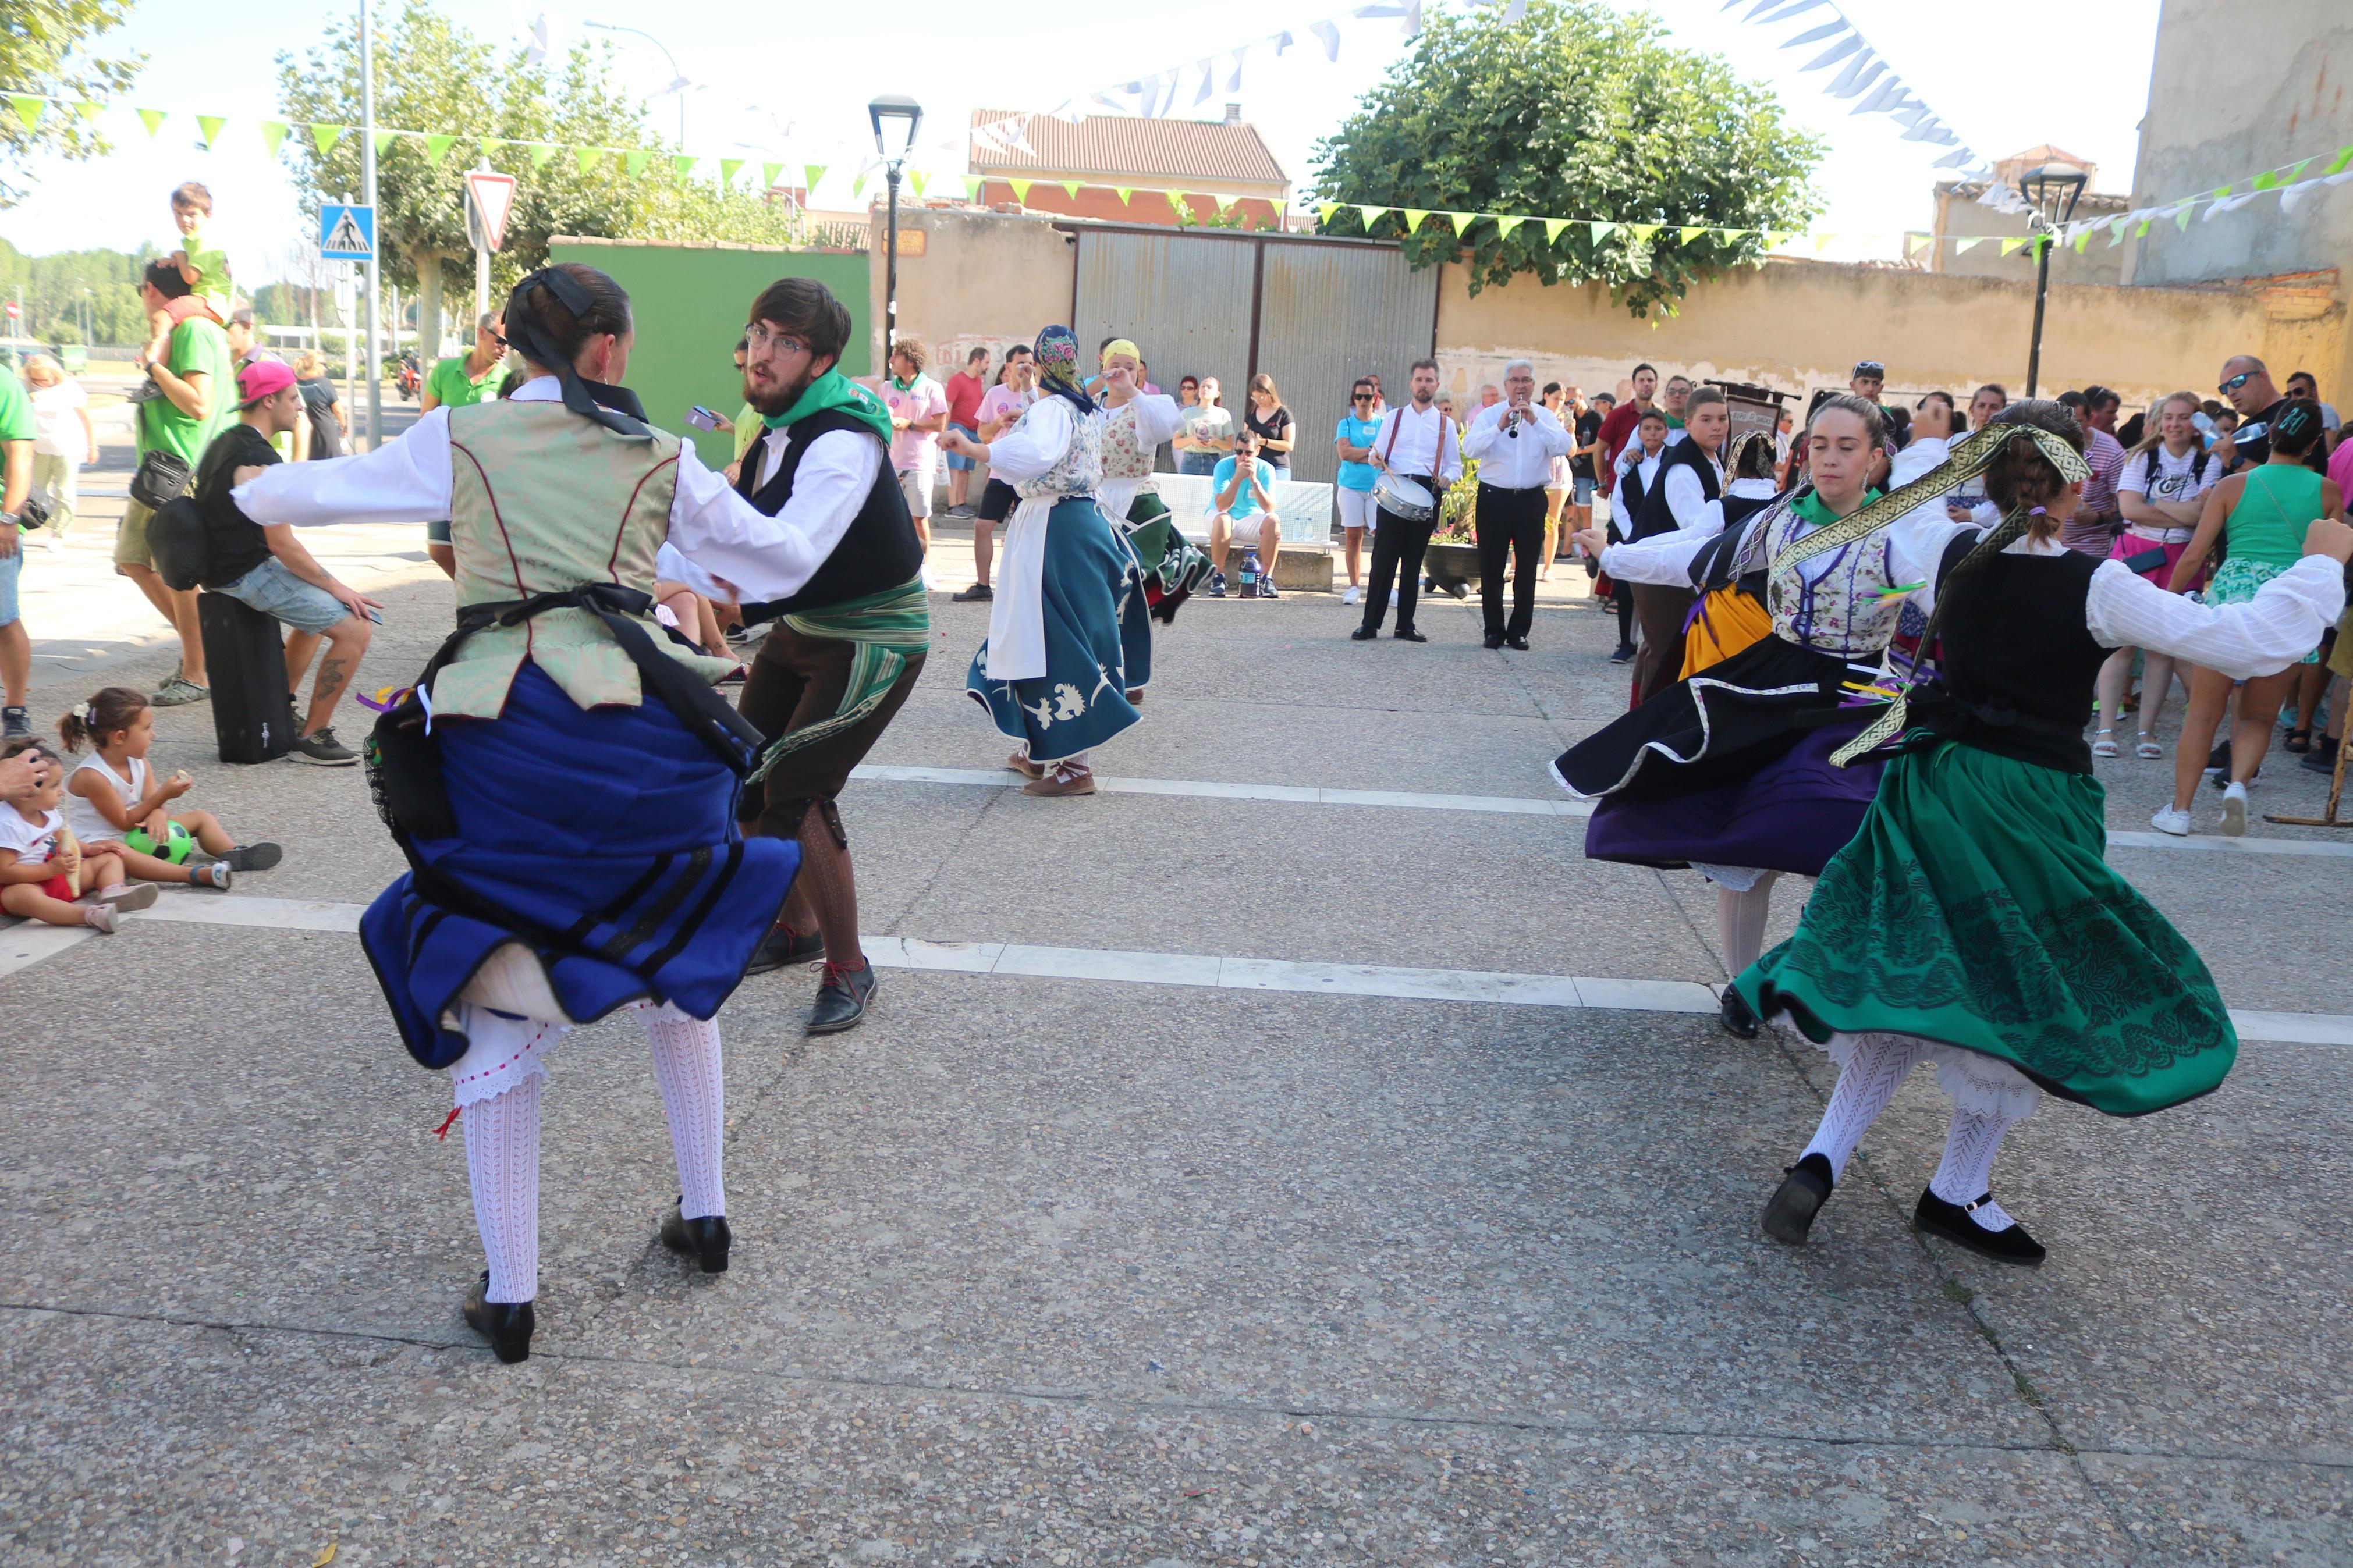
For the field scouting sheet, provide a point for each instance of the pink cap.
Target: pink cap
(261, 378)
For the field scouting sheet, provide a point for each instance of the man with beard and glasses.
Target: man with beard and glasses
(845, 651)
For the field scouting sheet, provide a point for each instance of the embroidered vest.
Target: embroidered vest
(1832, 603)
(1077, 472)
(1123, 455)
(542, 500)
(879, 551)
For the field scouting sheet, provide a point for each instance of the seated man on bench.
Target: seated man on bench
(1245, 516)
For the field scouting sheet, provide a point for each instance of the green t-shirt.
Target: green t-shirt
(448, 384)
(212, 281)
(15, 410)
(749, 428)
(197, 348)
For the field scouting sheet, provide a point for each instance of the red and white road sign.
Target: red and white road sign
(491, 198)
(12, 310)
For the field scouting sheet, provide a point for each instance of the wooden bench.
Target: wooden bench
(1305, 506)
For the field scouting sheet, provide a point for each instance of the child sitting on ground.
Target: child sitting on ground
(205, 272)
(44, 871)
(113, 798)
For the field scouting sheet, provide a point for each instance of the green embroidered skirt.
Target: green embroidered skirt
(1973, 908)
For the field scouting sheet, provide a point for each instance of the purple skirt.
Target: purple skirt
(1792, 815)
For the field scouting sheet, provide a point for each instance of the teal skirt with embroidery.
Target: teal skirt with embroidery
(1973, 907)
(1098, 642)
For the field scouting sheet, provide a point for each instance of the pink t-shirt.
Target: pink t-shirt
(1004, 402)
(2341, 466)
(915, 451)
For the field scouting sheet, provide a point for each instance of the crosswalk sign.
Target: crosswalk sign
(346, 233)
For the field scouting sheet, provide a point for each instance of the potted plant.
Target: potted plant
(1451, 563)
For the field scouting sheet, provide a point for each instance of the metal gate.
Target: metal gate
(1312, 313)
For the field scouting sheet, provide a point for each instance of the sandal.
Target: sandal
(2104, 748)
(2299, 740)
(2148, 750)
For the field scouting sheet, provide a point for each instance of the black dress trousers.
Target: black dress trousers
(1509, 523)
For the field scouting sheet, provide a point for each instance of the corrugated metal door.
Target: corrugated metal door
(1184, 299)
(1329, 314)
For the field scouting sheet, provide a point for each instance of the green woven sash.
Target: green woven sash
(887, 628)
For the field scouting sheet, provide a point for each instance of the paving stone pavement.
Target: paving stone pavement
(1044, 1269)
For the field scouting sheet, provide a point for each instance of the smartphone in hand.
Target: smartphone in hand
(702, 418)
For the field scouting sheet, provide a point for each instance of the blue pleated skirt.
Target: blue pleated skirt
(606, 841)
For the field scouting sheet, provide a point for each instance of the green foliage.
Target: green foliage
(434, 76)
(53, 291)
(1579, 111)
(44, 47)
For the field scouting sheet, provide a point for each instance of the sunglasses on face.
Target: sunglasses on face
(2236, 381)
(1361, 398)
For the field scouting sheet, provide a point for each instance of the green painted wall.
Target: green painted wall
(691, 302)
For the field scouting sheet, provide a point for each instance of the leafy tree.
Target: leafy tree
(434, 76)
(44, 47)
(55, 298)
(1577, 111)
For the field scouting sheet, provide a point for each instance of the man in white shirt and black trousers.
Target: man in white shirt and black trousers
(1415, 441)
(1514, 442)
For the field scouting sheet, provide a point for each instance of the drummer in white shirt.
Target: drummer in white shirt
(1514, 442)
(1416, 449)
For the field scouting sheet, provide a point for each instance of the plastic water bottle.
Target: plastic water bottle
(1250, 574)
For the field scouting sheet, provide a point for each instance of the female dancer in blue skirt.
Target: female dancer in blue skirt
(562, 780)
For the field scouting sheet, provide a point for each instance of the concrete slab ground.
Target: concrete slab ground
(1072, 1267)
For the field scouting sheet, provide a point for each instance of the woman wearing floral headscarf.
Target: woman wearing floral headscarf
(1069, 642)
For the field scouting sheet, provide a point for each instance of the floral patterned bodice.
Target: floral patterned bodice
(1123, 455)
(1077, 472)
(1836, 603)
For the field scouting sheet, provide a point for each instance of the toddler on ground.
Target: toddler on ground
(44, 871)
(113, 798)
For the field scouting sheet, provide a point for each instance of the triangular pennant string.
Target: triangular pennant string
(1124, 193)
(589, 158)
(2011, 244)
(1552, 227)
(385, 138)
(810, 174)
(1691, 232)
(541, 151)
(1368, 215)
(436, 147)
(1503, 226)
(211, 125)
(1072, 187)
(28, 108)
(1413, 216)
(273, 131)
(90, 109)
(324, 137)
(727, 167)
(768, 172)
(682, 165)
(919, 178)
(152, 119)
(635, 163)
(1020, 191)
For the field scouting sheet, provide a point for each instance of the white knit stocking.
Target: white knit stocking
(1966, 1170)
(502, 1159)
(1875, 1068)
(687, 1066)
(1740, 922)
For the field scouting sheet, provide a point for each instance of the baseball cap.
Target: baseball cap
(261, 378)
(1871, 367)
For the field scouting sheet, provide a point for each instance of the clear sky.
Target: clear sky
(2005, 74)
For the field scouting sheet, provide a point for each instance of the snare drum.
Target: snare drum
(1405, 498)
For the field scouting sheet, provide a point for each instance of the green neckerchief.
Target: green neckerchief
(835, 390)
(1673, 422)
(1809, 505)
(907, 385)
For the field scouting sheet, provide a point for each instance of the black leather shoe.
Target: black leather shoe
(1789, 1211)
(842, 1000)
(1518, 644)
(1494, 641)
(1736, 1016)
(705, 1240)
(506, 1324)
(1408, 636)
(1364, 634)
(782, 948)
(1952, 1221)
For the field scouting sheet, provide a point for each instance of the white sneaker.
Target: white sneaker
(1353, 596)
(2234, 811)
(2168, 820)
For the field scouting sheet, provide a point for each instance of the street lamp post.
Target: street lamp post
(2054, 189)
(677, 83)
(902, 115)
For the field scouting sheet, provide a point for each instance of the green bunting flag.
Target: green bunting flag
(1072, 187)
(1413, 216)
(1175, 199)
(90, 109)
(436, 147)
(768, 172)
(1462, 221)
(1693, 231)
(152, 119)
(28, 108)
(1597, 232)
(683, 165)
(972, 186)
(1124, 193)
(2266, 180)
(1643, 231)
(1366, 216)
(2011, 244)
(1021, 193)
(541, 151)
(1822, 242)
(1961, 245)
(2082, 240)
(211, 125)
(858, 186)
(2343, 160)
(635, 163)
(2182, 217)
(1553, 226)
(918, 178)
(273, 131)
(1913, 244)
(812, 174)
(324, 137)
(384, 139)
(589, 158)
(727, 167)
(1503, 226)
(2142, 232)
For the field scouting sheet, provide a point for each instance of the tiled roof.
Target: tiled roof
(1111, 145)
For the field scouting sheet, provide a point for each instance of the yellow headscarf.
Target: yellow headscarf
(1121, 346)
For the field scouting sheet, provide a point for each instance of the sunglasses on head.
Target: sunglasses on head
(2236, 381)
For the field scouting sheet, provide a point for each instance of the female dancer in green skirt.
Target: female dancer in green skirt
(1972, 922)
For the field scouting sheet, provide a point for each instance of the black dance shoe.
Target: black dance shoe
(1736, 1016)
(1494, 641)
(705, 1240)
(1952, 1221)
(841, 1000)
(1518, 644)
(1790, 1213)
(782, 948)
(1364, 634)
(1408, 635)
(506, 1324)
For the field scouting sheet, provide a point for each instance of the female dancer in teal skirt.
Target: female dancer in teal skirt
(1972, 922)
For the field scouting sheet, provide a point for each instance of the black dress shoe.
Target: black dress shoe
(1520, 643)
(705, 1240)
(1409, 635)
(783, 947)
(841, 1001)
(1737, 1017)
(1789, 1211)
(1364, 634)
(1494, 641)
(1952, 1221)
(506, 1324)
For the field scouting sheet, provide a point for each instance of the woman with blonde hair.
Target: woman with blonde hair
(63, 441)
(2162, 491)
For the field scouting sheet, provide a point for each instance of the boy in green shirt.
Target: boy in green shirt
(203, 270)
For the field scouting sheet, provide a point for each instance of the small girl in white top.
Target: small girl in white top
(44, 871)
(113, 798)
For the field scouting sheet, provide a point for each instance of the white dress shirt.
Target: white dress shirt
(714, 534)
(1687, 497)
(1426, 444)
(1518, 457)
